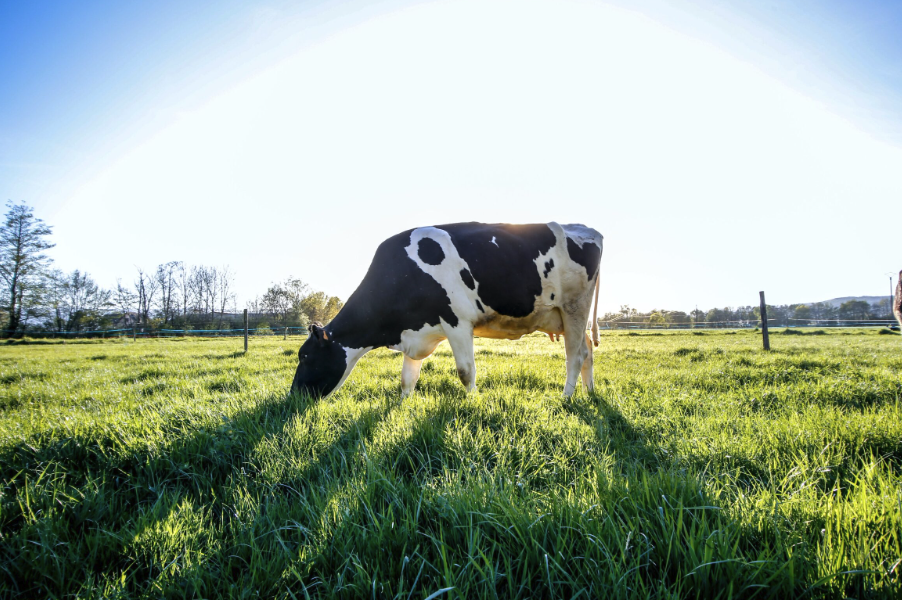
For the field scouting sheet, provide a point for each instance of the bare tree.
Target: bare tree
(165, 278)
(183, 279)
(145, 288)
(210, 290)
(196, 287)
(203, 287)
(54, 298)
(225, 280)
(84, 300)
(123, 298)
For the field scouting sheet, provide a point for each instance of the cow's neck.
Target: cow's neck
(352, 332)
(353, 355)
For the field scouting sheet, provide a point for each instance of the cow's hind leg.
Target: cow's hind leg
(410, 372)
(586, 371)
(461, 340)
(577, 352)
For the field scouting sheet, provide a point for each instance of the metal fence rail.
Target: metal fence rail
(750, 324)
(139, 332)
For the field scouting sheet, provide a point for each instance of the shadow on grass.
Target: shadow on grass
(72, 508)
(614, 431)
(352, 511)
(235, 354)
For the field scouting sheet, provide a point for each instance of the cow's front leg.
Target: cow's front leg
(461, 340)
(410, 372)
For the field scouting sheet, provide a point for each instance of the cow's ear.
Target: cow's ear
(317, 331)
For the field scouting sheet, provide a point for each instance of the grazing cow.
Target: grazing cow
(897, 301)
(457, 281)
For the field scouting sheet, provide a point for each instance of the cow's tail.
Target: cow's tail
(595, 310)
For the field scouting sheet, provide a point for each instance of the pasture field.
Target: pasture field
(701, 467)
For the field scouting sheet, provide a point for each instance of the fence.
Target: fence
(749, 324)
(139, 332)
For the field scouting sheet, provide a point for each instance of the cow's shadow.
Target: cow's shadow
(120, 496)
(613, 430)
(127, 497)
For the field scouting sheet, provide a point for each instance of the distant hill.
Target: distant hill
(835, 302)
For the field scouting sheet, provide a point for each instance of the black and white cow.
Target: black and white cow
(897, 300)
(457, 281)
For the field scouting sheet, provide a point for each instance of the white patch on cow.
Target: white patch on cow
(420, 343)
(582, 234)
(494, 242)
(552, 283)
(447, 274)
(352, 355)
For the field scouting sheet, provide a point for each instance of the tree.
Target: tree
(145, 289)
(54, 299)
(183, 278)
(320, 307)
(656, 318)
(83, 301)
(854, 310)
(22, 261)
(677, 316)
(802, 312)
(718, 316)
(224, 280)
(285, 302)
(165, 278)
(123, 299)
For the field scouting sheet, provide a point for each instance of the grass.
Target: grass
(701, 467)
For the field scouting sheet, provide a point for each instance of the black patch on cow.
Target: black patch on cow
(505, 271)
(549, 264)
(467, 279)
(479, 306)
(321, 364)
(395, 295)
(430, 252)
(552, 296)
(589, 255)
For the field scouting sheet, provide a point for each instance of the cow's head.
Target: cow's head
(321, 364)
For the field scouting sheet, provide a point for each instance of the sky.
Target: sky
(721, 148)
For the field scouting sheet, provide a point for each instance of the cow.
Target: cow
(897, 300)
(454, 282)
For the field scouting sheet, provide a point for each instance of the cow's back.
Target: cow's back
(501, 258)
(502, 280)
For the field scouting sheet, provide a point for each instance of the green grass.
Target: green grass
(701, 467)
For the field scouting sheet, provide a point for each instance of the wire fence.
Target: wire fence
(145, 333)
(750, 324)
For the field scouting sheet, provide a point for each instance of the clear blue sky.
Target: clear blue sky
(721, 148)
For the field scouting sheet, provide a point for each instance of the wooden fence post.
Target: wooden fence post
(245, 330)
(285, 336)
(764, 322)
(134, 334)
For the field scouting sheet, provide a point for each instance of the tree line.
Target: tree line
(784, 315)
(174, 295)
